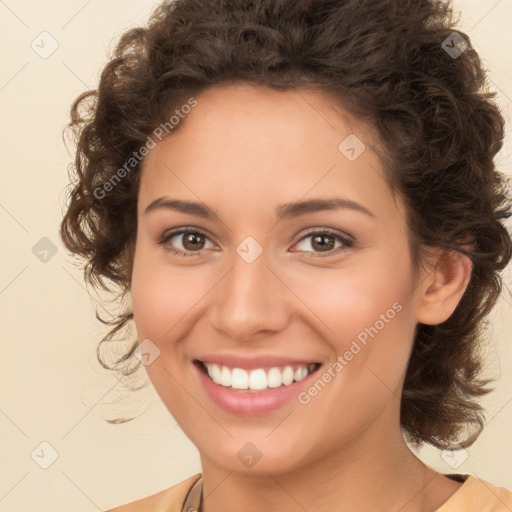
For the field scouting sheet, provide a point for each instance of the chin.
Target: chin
(255, 458)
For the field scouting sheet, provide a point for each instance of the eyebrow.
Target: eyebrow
(284, 211)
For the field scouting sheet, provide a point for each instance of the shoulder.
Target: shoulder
(477, 495)
(168, 500)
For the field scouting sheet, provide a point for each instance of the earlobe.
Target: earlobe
(443, 287)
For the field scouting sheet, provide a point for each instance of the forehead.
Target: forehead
(265, 145)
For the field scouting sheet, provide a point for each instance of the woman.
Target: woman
(299, 198)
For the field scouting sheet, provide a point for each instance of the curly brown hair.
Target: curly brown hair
(389, 63)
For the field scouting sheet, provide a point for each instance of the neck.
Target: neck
(371, 473)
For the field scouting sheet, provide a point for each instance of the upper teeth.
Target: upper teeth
(257, 378)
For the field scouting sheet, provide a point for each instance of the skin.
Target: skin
(242, 151)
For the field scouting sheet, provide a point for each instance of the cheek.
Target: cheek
(150, 296)
(162, 295)
(160, 299)
(367, 314)
(350, 300)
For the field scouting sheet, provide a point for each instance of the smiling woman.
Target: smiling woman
(310, 251)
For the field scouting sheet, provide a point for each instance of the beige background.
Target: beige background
(51, 388)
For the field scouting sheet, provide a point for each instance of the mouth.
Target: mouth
(256, 380)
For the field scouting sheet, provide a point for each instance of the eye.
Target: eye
(324, 241)
(190, 242)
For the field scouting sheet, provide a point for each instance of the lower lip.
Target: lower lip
(247, 403)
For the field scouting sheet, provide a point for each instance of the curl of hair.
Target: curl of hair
(384, 62)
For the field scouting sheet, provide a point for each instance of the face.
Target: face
(263, 283)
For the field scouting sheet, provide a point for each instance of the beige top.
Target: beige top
(474, 495)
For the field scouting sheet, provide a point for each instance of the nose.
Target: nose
(250, 300)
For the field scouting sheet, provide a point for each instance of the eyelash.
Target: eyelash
(345, 240)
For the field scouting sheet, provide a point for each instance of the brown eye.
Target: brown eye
(324, 243)
(193, 241)
(185, 242)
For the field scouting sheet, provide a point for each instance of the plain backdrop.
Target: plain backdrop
(57, 450)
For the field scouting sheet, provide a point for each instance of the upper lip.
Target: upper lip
(260, 361)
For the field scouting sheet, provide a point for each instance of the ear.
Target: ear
(443, 287)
